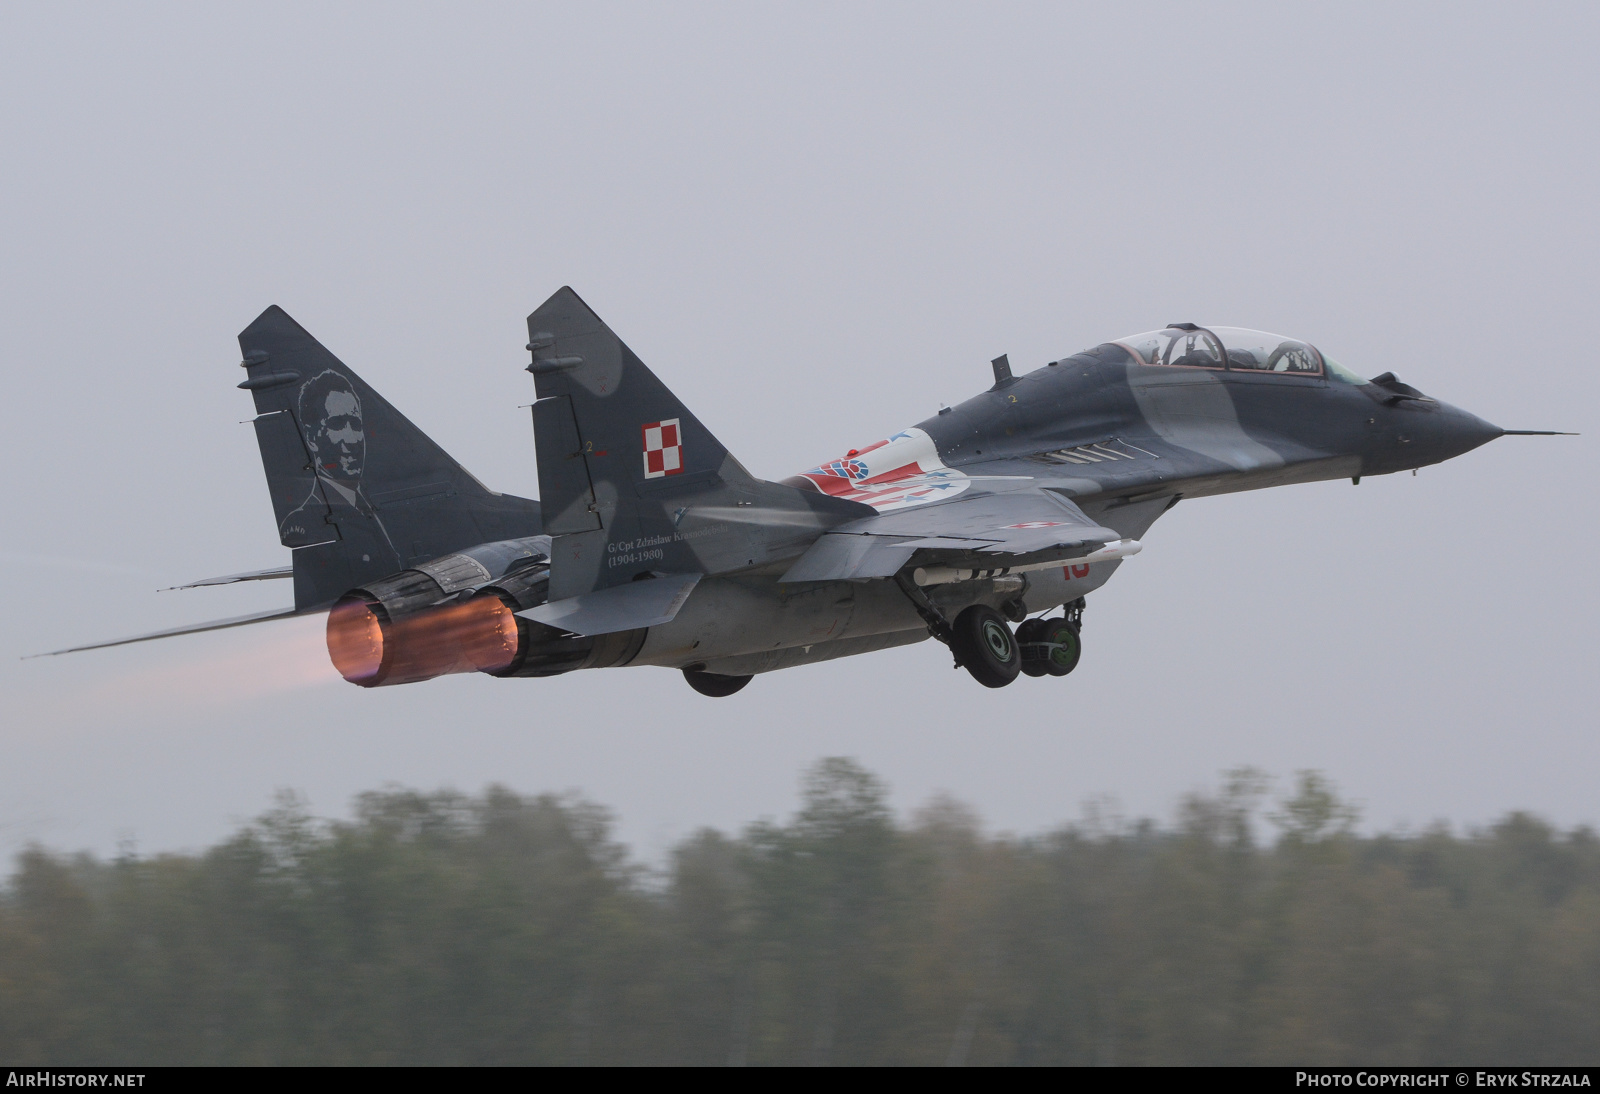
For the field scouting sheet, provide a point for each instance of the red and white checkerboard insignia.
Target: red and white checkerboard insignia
(663, 449)
(1038, 524)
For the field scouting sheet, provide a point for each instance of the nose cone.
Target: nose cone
(1418, 432)
(1459, 431)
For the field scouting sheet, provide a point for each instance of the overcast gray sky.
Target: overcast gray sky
(816, 223)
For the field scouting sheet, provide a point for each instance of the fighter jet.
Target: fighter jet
(983, 527)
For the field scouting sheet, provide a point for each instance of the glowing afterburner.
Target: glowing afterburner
(477, 635)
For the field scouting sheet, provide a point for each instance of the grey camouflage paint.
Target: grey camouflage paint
(654, 546)
(1172, 432)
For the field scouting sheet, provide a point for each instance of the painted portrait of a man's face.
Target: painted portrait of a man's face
(331, 416)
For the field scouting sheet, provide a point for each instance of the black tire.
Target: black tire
(714, 684)
(1035, 656)
(1064, 646)
(983, 643)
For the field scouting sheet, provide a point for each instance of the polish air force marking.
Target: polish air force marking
(663, 449)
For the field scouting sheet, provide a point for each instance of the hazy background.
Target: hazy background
(816, 223)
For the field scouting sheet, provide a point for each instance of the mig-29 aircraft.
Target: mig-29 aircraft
(652, 545)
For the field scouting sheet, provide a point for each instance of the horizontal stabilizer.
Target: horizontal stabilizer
(620, 607)
(192, 628)
(231, 579)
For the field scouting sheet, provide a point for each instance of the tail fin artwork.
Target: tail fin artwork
(358, 491)
(632, 484)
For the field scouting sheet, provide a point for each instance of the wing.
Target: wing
(1018, 527)
(192, 628)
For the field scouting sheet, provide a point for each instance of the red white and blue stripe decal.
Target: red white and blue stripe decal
(895, 473)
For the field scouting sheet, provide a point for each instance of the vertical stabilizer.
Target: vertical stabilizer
(358, 491)
(632, 483)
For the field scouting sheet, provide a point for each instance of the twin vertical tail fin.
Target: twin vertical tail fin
(358, 491)
(598, 405)
(632, 483)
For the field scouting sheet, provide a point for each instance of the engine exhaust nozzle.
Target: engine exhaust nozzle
(371, 650)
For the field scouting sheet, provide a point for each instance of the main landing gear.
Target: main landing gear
(1051, 647)
(985, 646)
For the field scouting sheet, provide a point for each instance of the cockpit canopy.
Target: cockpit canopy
(1234, 348)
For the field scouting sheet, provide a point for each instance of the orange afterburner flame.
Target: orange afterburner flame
(355, 641)
(478, 635)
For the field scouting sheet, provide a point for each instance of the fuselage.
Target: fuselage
(1204, 430)
(1020, 500)
(1125, 437)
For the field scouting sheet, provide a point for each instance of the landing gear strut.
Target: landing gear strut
(983, 643)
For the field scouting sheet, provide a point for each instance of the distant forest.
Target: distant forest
(501, 929)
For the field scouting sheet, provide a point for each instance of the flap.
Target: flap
(619, 608)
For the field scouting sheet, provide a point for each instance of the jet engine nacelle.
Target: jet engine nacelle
(446, 616)
(450, 614)
(371, 648)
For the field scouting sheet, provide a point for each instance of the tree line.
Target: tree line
(504, 929)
